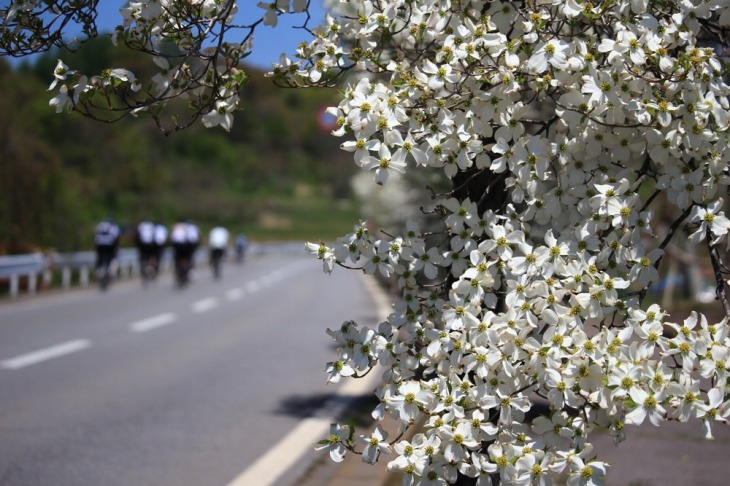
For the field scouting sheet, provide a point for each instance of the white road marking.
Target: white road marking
(272, 465)
(205, 304)
(277, 275)
(164, 319)
(267, 469)
(153, 322)
(44, 354)
(235, 293)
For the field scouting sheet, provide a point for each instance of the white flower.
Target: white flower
(338, 369)
(426, 260)
(458, 441)
(460, 314)
(511, 407)
(362, 148)
(324, 253)
(589, 473)
(644, 404)
(553, 429)
(406, 146)
(271, 17)
(717, 408)
(384, 163)
(374, 445)
(62, 101)
(408, 400)
(436, 76)
(601, 89)
(126, 76)
(221, 114)
(709, 218)
(335, 443)
(551, 54)
(59, 74)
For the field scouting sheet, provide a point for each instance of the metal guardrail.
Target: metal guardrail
(13, 267)
(29, 268)
(22, 264)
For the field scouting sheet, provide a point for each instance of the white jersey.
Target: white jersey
(107, 233)
(218, 237)
(179, 234)
(192, 234)
(146, 232)
(160, 234)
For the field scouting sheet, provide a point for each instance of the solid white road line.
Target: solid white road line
(44, 354)
(267, 469)
(271, 466)
(153, 322)
(205, 304)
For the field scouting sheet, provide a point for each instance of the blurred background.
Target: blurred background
(277, 174)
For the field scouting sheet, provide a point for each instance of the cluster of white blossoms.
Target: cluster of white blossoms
(194, 60)
(571, 131)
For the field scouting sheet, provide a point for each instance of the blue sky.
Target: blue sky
(269, 42)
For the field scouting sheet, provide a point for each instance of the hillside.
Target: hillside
(275, 175)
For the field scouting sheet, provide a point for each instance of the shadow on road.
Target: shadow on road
(304, 406)
(351, 407)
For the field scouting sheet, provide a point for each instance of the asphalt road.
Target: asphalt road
(158, 386)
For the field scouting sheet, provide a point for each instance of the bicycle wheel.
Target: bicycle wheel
(182, 273)
(104, 277)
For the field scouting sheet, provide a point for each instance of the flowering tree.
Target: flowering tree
(563, 127)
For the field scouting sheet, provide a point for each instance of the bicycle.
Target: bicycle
(216, 262)
(182, 271)
(148, 269)
(104, 272)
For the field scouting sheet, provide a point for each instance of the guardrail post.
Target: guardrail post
(47, 278)
(84, 276)
(66, 278)
(32, 283)
(47, 281)
(14, 285)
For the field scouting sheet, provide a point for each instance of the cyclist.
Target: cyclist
(144, 239)
(184, 238)
(158, 247)
(217, 243)
(106, 240)
(241, 244)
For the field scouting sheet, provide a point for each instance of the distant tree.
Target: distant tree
(562, 127)
(33, 192)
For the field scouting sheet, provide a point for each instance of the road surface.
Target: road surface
(158, 386)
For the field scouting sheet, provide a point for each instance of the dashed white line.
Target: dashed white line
(45, 354)
(154, 322)
(205, 304)
(235, 293)
(142, 325)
